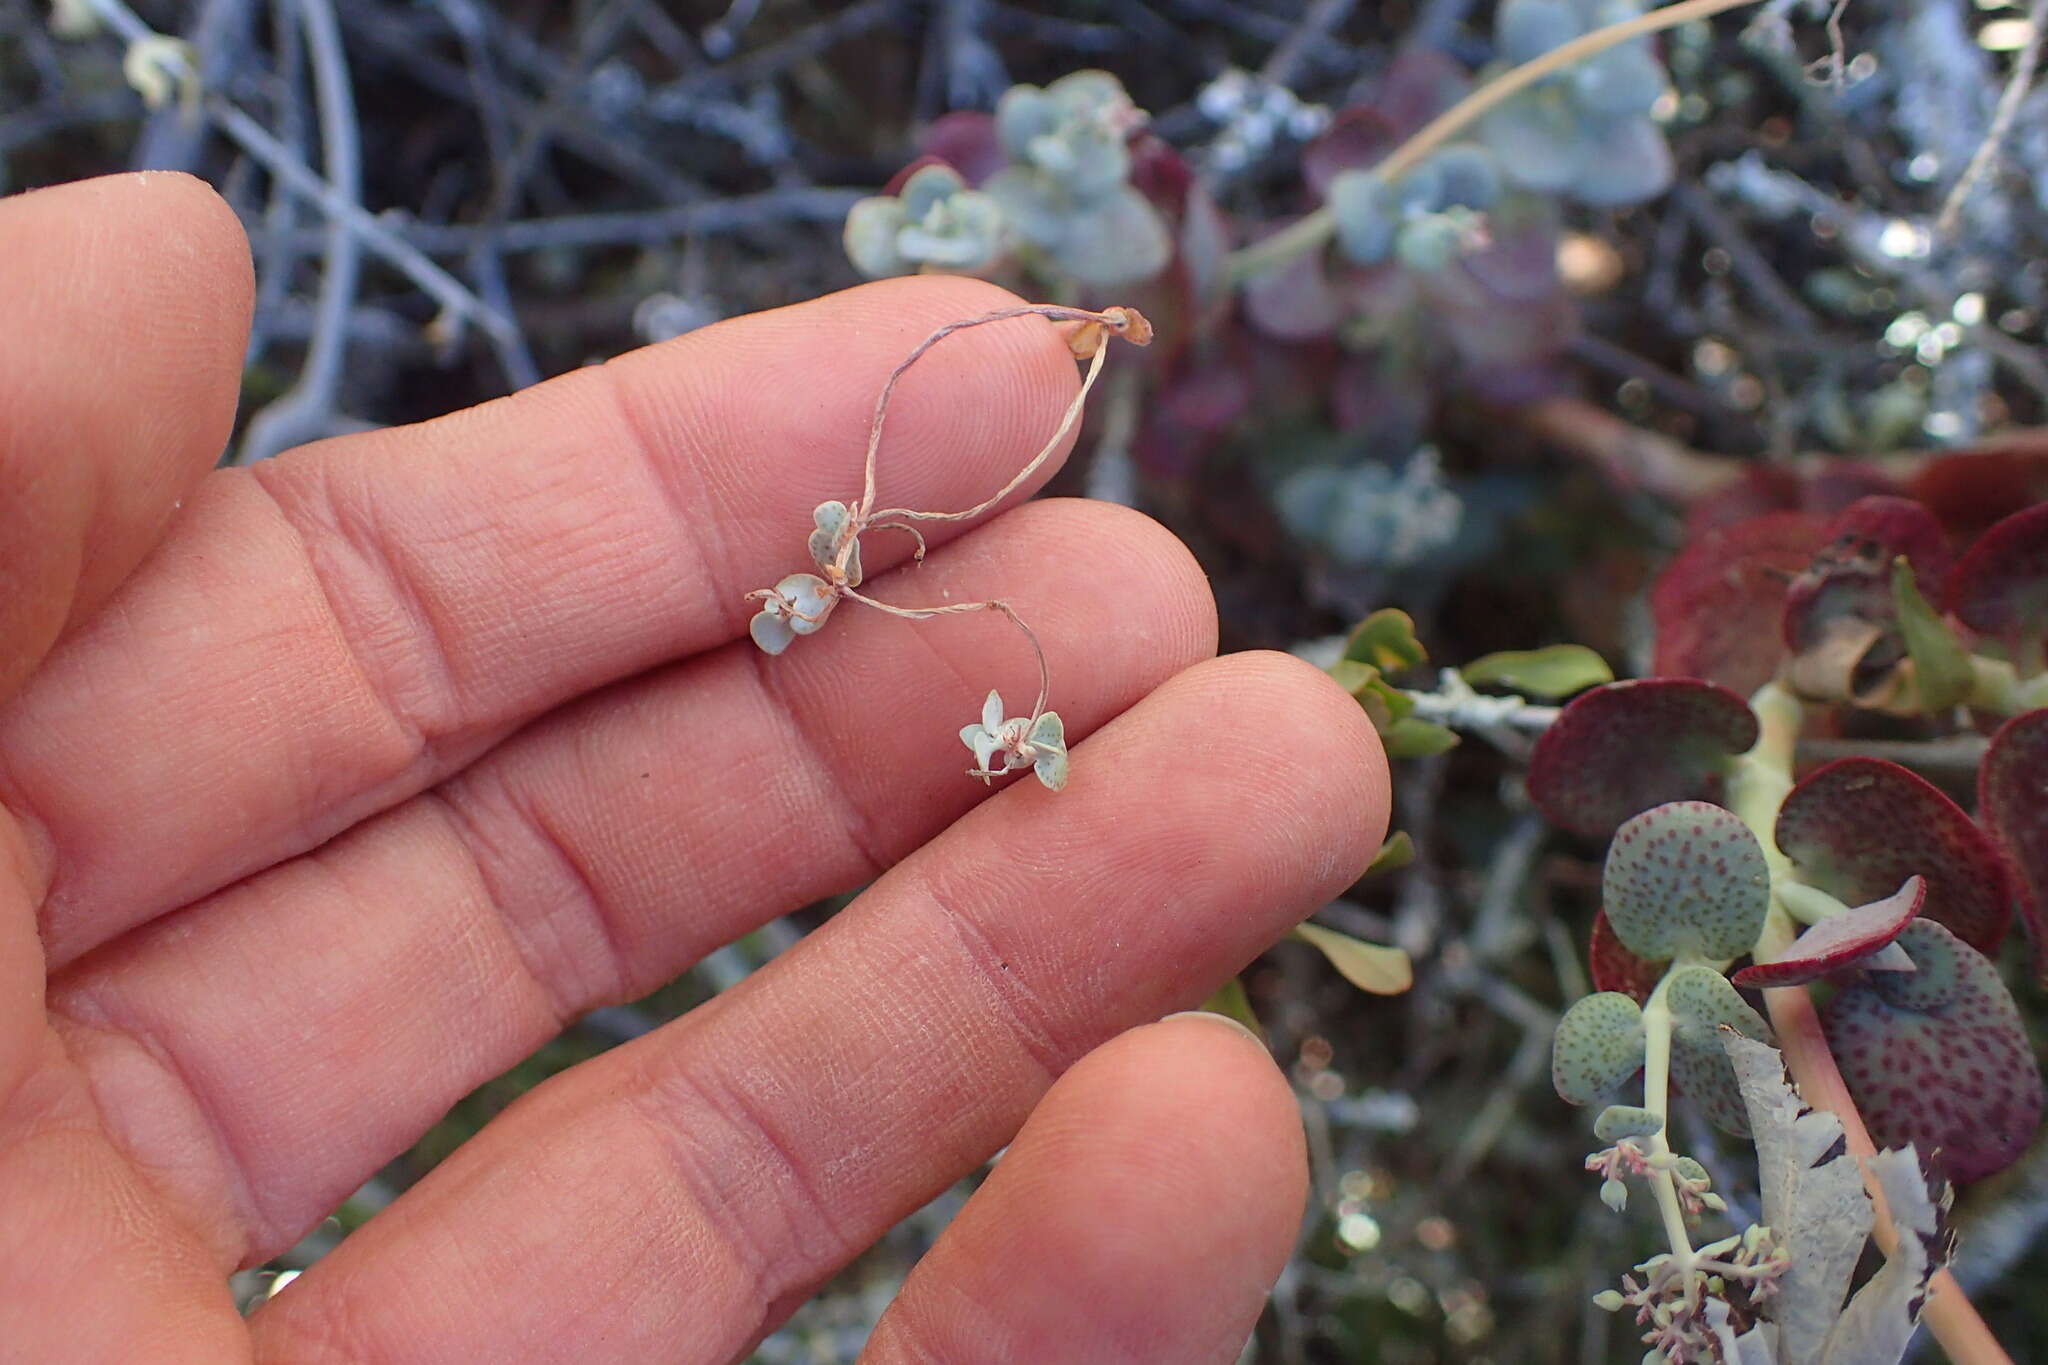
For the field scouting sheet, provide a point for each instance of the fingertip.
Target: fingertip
(128, 300)
(1145, 1209)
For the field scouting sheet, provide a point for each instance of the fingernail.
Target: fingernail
(1225, 1020)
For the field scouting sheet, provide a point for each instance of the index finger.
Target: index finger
(331, 632)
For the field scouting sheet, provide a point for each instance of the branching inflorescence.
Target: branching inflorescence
(802, 602)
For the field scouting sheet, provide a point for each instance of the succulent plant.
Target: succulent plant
(1426, 219)
(935, 222)
(1067, 190)
(1585, 132)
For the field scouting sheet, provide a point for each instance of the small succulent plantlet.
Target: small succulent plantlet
(935, 223)
(1585, 133)
(801, 603)
(1062, 201)
(1067, 190)
(1426, 219)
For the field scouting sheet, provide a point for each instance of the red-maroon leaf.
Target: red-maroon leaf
(1160, 172)
(1839, 941)
(1938, 1057)
(1615, 968)
(1860, 826)
(2012, 798)
(1295, 301)
(1883, 528)
(1618, 750)
(964, 140)
(1357, 139)
(1714, 604)
(2000, 586)
(1970, 490)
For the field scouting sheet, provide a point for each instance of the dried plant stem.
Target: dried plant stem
(1758, 787)
(961, 609)
(2001, 121)
(1312, 231)
(1045, 453)
(1117, 320)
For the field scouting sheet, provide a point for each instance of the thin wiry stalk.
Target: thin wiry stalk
(961, 609)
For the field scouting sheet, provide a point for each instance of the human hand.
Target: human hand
(348, 783)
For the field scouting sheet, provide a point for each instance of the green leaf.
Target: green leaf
(1231, 1002)
(1386, 640)
(1384, 703)
(1396, 853)
(1599, 1045)
(1412, 738)
(1941, 666)
(1368, 966)
(1551, 672)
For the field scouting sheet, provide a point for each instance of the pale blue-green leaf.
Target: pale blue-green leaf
(870, 237)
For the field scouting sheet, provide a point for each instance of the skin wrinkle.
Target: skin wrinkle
(669, 1100)
(571, 997)
(230, 1167)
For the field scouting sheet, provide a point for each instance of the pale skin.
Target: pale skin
(333, 787)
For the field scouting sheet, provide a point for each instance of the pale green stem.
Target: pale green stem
(1998, 688)
(1757, 786)
(1657, 1099)
(1310, 232)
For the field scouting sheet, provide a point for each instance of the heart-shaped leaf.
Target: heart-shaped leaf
(1859, 827)
(1386, 640)
(1709, 599)
(2000, 586)
(1615, 968)
(1702, 1004)
(1938, 1057)
(1618, 1121)
(1686, 879)
(1599, 1045)
(2012, 798)
(1838, 941)
(1618, 750)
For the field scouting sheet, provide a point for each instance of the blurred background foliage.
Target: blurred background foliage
(528, 187)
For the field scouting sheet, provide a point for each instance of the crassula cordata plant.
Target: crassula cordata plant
(1800, 936)
(1845, 909)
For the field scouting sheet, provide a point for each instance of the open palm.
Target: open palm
(332, 787)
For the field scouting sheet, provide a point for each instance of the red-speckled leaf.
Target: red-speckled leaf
(1686, 879)
(1615, 968)
(1942, 1063)
(1715, 605)
(1839, 941)
(1620, 749)
(1702, 1004)
(1860, 826)
(2012, 798)
(2000, 586)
